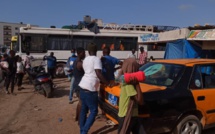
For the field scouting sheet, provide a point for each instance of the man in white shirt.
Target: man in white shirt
(27, 60)
(27, 65)
(132, 54)
(89, 88)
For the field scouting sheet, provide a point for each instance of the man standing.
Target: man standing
(19, 72)
(27, 60)
(143, 56)
(51, 64)
(78, 73)
(70, 62)
(11, 73)
(89, 88)
(132, 54)
(109, 63)
(68, 67)
(27, 65)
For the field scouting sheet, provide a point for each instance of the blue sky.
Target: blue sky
(182, 13)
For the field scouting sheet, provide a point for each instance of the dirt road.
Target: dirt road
(31, 113)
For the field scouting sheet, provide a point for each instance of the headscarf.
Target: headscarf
(130, 65)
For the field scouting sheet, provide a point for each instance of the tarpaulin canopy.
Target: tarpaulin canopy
(92, 26)
(181, 49)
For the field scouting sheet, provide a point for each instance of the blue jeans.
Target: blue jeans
(89, 101)
(71, 88)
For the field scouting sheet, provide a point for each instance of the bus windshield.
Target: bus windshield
(13, 45)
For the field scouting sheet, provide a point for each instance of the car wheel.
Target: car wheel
(60, 71)
(188, 125)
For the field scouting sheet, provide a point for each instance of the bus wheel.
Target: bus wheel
(60, 70)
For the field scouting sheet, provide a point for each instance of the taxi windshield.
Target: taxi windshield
(161, 74)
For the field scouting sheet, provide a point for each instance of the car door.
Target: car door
(202, 85)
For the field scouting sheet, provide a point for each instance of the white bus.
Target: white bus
(41, 41)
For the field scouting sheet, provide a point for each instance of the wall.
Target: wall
(164, 36)
(14, 31)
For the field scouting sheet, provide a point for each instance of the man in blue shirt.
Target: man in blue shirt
(108, 64)
(70, 62)
(51, 63)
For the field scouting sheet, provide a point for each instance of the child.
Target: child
(151, 58)
(130, 97)
(19, 72)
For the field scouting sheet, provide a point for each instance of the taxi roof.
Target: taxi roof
(186, 62)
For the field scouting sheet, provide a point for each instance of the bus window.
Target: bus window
(34, 43)
(59, 43)
(112, 46)
(126, 43)
(103, 46)
(102, 42)
(86, 41)
(121, 47)
(77, 43)
(81, 41)
(157, 47)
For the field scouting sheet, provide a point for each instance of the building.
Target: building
(7, 30)
(200, 38)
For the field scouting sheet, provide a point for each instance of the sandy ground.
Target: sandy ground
(31, 113)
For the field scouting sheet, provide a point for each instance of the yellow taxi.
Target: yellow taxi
(179, 96)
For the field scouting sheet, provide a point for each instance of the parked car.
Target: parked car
(179, 96)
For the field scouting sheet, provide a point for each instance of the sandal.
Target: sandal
(110, 123)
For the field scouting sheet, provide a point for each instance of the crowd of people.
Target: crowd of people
(13, 70)
(88, 72)
(85, 75)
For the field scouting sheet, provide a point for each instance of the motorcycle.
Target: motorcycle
(41, 80)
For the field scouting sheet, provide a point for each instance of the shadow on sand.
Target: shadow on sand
(60, 92)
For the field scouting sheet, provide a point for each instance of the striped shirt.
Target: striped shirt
(142, 58)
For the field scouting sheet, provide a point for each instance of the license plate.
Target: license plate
(112, 99)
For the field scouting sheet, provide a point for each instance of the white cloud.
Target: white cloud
(185, 7)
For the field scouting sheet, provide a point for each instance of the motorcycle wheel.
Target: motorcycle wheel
(39, 89)
(59, 72)
(47, 89)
